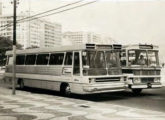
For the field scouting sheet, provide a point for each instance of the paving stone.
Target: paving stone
(29, 106)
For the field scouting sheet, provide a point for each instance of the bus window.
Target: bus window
(42, 59)
(123, 58)
(100, 60)
(112, 59)
(20, 60)
(137, 57)
(56, 59)
(76, 69)
(68, 58)
(30, 60)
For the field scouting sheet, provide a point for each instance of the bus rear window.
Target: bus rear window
(30, 59)
(20, 59)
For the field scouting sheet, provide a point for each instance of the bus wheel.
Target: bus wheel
(136, 91)
(65, 89)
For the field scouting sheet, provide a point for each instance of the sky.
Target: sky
(125, 21)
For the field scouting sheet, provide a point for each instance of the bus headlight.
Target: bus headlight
(136, 80)
(157, 80)
(91, 80)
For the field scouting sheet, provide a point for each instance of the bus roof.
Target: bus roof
(141, 46)
(67, 48)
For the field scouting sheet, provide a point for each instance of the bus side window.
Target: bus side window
(42, 59)
(30, 60)
(56, 59)
(76, 69)
(68, 58)
(123, 58)
(20, 59)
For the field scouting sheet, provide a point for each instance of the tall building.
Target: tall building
(35, 33)
(52, 34)
(82, 37)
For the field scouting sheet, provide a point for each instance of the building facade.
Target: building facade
(52, 34)
(77, 38)
(35, 33)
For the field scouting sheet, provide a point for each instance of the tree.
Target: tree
(5, 45)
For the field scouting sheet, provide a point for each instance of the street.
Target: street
(40, 104)
(151, 99)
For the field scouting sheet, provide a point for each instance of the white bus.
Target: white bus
(82, 69)
(140, 63)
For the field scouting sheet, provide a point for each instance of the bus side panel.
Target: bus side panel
(44, 70)
(44, 84)
(77, 84)
(77, 88)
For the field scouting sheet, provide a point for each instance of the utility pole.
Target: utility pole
(14, 47)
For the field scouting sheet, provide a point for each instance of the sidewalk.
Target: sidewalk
(31, 106)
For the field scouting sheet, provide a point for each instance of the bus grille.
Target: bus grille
(111, 79)
(147, 80)
(147, 72)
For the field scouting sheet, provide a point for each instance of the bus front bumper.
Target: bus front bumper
(100, 88)
(145, 86)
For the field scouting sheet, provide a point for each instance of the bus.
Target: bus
(140, 63)
(80, 69)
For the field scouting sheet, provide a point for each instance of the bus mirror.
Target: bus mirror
(86, 67)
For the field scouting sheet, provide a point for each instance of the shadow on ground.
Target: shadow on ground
(112, 96)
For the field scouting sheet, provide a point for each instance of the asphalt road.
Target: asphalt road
(153, 99)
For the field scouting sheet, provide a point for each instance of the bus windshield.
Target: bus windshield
(112, 59)
(143, 57)
(153, 58)
(96, 62)
(94, 59)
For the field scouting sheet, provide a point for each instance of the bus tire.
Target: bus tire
(136, 91)
(65, 89)
(21, 83)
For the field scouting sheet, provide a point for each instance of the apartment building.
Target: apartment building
(82, 37)
(35, 33)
